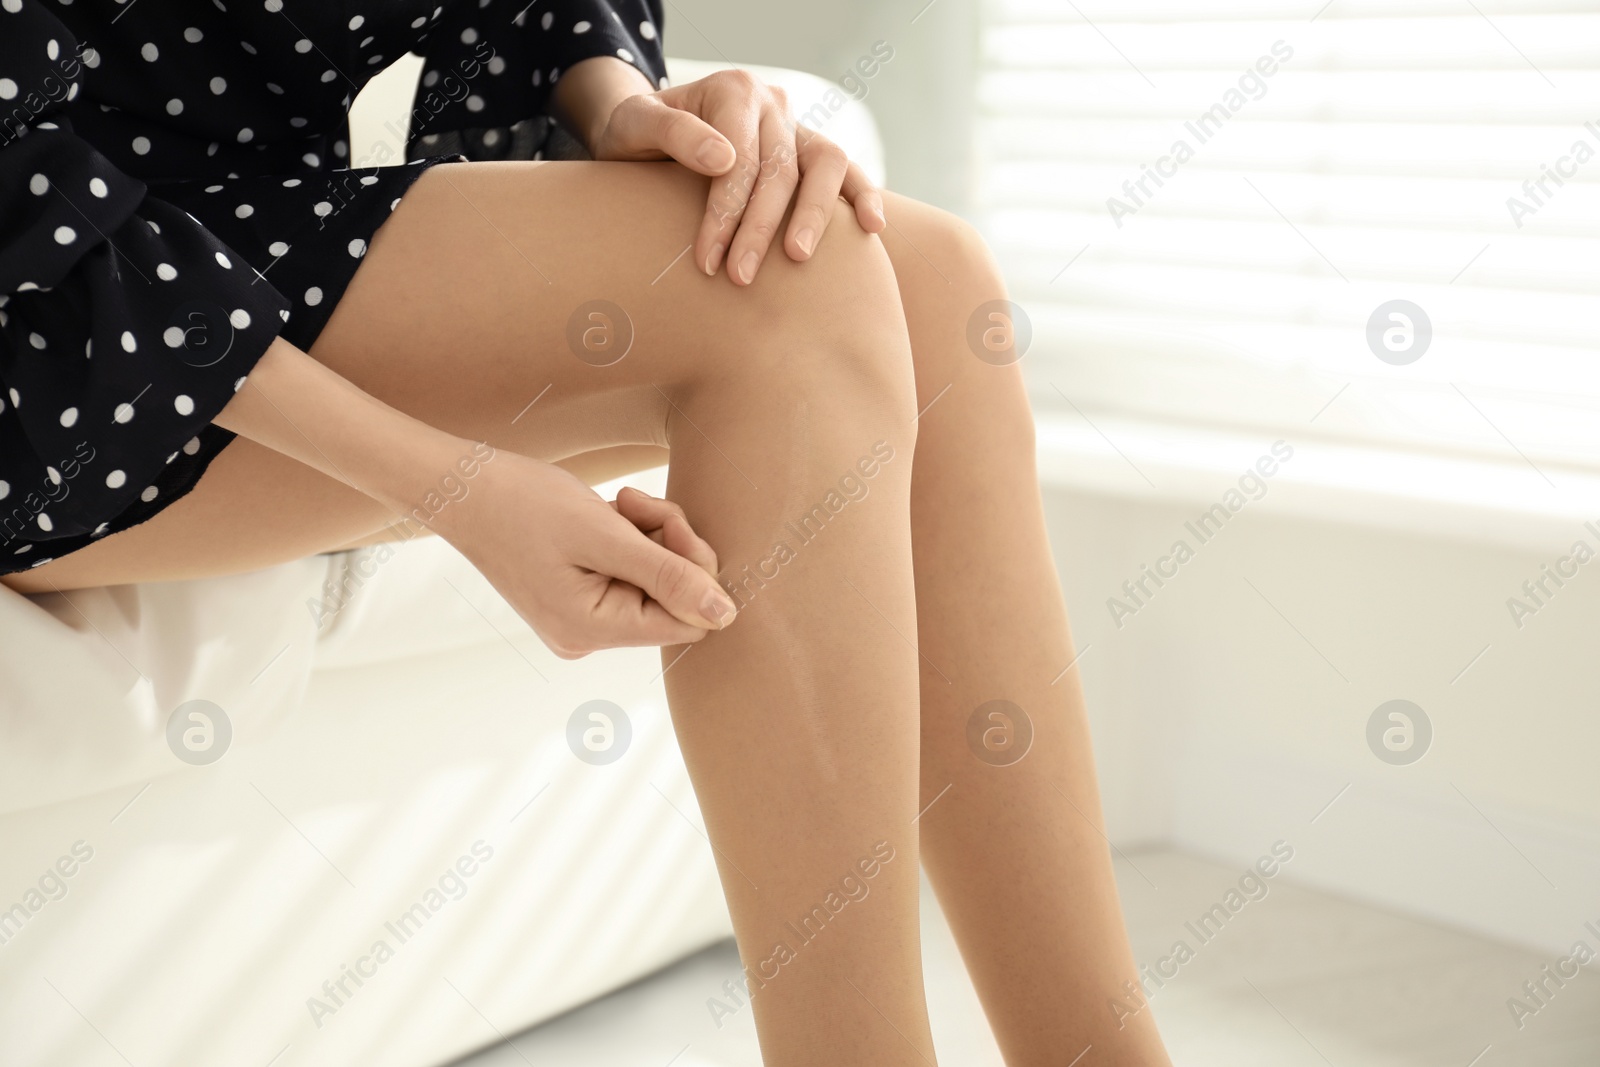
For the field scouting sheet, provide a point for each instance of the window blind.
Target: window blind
(1209, 211)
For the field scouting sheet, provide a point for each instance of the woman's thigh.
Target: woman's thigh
(545, 308)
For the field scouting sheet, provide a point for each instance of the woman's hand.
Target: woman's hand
(584, 573)
(735, 128)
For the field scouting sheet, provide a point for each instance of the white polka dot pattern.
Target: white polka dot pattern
(246, 224)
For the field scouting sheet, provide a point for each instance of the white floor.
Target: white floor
(1297, 978)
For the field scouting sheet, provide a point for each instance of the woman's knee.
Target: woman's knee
(832, 324)
(955, 299)
(928, 244)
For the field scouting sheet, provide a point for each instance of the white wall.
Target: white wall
(1221, 729)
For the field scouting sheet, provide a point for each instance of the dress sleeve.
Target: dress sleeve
(490, 69)
(124, 325)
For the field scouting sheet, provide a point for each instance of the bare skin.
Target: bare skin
(812, 731)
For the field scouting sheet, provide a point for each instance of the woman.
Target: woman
(182, 234)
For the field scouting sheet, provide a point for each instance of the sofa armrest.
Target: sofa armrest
(380, 115)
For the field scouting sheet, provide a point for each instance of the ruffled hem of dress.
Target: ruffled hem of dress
(185, 468)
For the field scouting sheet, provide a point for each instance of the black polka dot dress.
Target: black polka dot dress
(176, 191)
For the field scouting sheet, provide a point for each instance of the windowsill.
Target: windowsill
(1432, 495)
(1408, 492)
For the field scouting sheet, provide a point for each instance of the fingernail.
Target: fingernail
(717, 609)
(807, 240)
(714, 260)
(714, 155)
(747, 266)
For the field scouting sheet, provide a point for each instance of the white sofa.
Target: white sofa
(411, 750)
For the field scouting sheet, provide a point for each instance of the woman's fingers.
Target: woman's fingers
(666, 525)
(866, 198)
(649, 126)
(589, 576)
(685, 589)
(679, 537)
(646, 512)
(823, 167)
(731, 101)
(776, 180)
(736, 130)
(625, 618)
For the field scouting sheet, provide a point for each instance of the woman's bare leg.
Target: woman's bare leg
(975, 497)
(798, 723)
(1017, 853)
